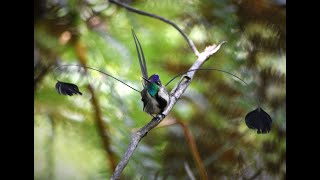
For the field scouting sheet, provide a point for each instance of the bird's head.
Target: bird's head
(153, 83)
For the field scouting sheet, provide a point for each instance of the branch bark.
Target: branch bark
(175, 95)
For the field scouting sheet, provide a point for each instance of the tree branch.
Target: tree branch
(194, 150)
(175, 95)
(193, 47)
(189, 172)
(101, 127)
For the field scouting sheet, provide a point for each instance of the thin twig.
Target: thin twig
(175, 95)
(189, 172)
(191, 44)
(101, 127)
(194, 150)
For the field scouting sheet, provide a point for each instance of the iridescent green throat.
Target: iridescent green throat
(153, 88)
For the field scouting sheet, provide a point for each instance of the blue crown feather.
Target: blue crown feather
(154, 78)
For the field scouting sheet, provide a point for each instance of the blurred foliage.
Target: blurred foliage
(67, 144)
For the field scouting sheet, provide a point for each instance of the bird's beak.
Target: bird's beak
(147, 80)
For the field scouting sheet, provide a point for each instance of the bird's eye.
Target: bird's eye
(158, 83)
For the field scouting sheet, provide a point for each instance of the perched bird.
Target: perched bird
(155, 96)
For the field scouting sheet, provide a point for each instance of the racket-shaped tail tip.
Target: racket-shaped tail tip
(67, 88)
(260, 120)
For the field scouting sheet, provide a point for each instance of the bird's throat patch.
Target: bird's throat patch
(153, 89)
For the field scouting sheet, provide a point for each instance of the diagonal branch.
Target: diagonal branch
(175, 95)
(189, 172)
(193, 47)
(101, 129)
(101, 126)
(194, 150)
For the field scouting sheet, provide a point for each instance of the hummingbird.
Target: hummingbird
(156, 98)
(154, 95)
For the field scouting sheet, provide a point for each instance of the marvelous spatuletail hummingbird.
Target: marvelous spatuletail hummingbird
(156, 98)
